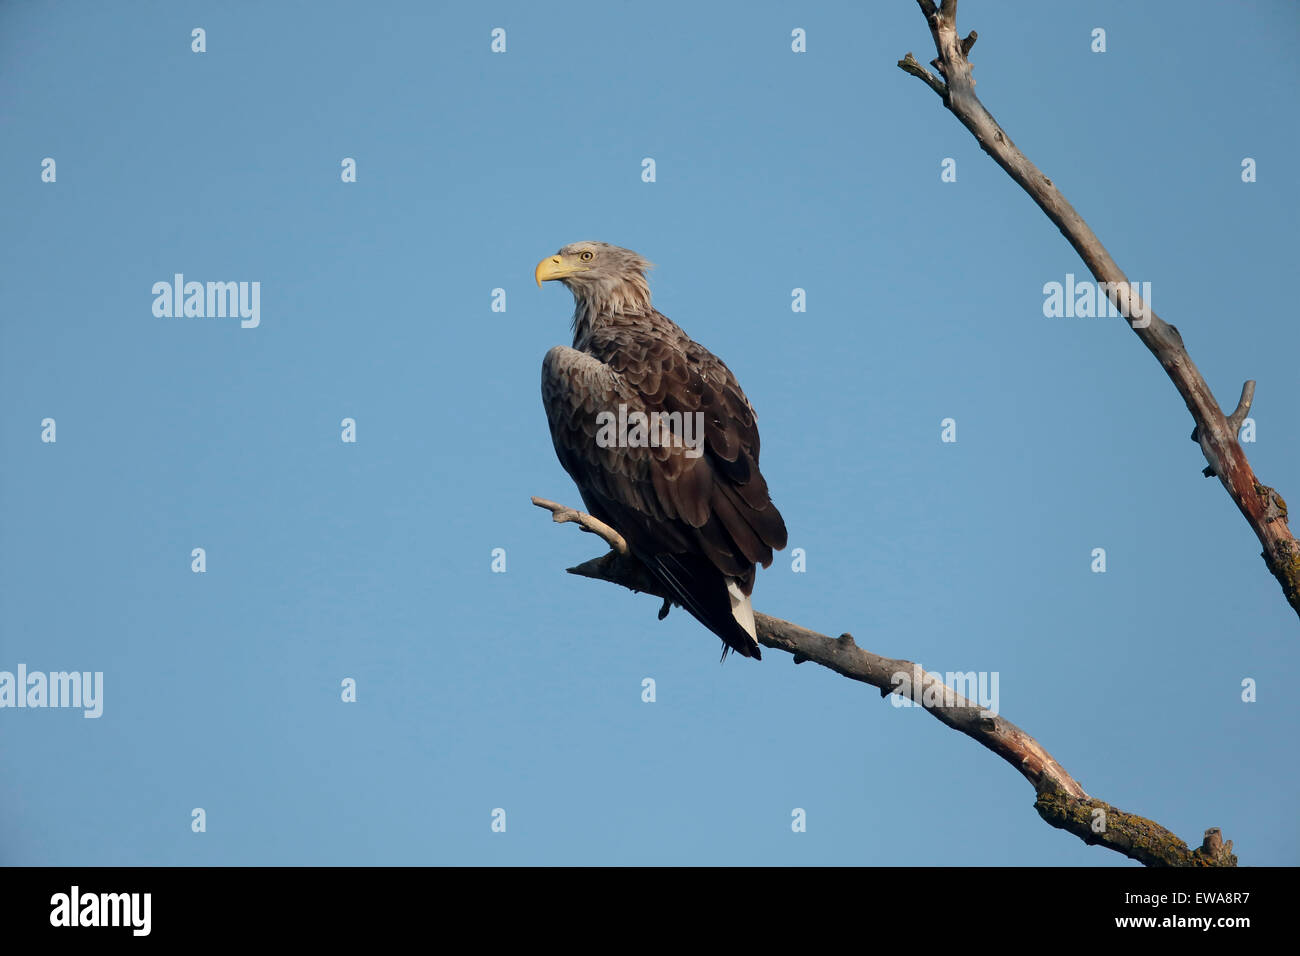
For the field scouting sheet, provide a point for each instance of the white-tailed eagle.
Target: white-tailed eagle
(660, 440)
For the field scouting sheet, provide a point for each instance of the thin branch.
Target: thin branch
(910, 64)
(1061, 801)
(1263, 508)
(562, 513)
(1236, 419)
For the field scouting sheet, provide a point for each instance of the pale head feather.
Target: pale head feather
(614, 282)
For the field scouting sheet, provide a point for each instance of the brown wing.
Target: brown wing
(722, 495)
(695, 520)
(616, 483)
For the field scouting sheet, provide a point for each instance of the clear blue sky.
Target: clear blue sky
(522, 690)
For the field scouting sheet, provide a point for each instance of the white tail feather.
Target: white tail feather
(742, 609)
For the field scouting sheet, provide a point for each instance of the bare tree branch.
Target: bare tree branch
(1062, 801)
(1263, 508)
(562, 513)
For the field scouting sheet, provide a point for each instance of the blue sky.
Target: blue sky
(521, 690)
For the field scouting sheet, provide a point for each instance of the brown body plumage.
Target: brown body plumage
(699, 517)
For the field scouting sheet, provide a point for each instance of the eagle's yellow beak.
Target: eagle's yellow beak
(557, 267)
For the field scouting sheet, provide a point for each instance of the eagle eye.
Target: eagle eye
(587, 256)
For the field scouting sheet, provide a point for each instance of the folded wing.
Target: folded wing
(699, 517)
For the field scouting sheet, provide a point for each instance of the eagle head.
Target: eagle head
(604, 279)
